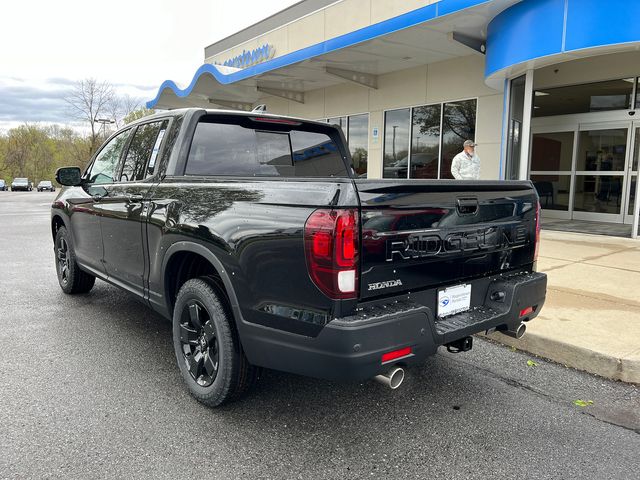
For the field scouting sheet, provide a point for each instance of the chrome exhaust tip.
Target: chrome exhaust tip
(392, 379)
(517, 333)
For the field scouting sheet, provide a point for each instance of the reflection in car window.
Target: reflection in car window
(231, 149)
(227, 149)
(316, 155)
(141, 150)
(105, 164)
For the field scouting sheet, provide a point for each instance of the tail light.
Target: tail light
(331, 247)
(537, 247)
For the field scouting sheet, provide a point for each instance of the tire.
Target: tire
(70, 277)
(206, 344)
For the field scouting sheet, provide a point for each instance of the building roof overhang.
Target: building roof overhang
(444, 30)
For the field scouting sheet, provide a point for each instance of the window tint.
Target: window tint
(104, 167)
(226, 149)
(316, 155)
(144, 147)
(230, 149)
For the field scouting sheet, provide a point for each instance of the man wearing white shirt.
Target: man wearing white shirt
(466, 164)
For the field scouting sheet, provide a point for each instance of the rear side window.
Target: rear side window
(143, 151)
(232, 149)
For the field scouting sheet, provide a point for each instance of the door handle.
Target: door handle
(135, 198)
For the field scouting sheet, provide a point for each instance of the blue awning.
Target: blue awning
(415, 38)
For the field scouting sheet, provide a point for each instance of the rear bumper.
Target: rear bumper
(351, 348)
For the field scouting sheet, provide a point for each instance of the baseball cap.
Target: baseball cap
(470, 143)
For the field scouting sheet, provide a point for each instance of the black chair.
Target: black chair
(545, 190)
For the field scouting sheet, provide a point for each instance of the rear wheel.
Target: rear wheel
(206, 344)
(70, 277)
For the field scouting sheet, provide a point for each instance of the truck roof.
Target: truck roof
(215, 111)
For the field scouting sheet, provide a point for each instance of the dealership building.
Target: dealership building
(548, 89)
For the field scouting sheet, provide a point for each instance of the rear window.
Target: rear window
(263, 149)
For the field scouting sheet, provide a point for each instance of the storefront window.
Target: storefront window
(552, 152)
(458, 125)
(589, 97)
(598, 194)
(602, 150)
(342, 121)
(396, 143)
(421, 142)
(425, 141)
(358, 138)
(553, 191)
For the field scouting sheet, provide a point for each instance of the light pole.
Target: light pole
(104, 122)
(394, 143)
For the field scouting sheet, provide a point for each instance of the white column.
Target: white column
(526, 126)
(506, 122)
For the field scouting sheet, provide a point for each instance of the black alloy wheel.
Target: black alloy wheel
(199, 343)
(71, 277)
(62, 256)
(206, 343)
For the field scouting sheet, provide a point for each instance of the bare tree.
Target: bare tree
(120, 107)
(89, 100)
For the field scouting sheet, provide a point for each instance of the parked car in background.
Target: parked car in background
(46, 185)
(3, 185)
(21, 184)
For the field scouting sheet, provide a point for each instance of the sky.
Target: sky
(45, 47)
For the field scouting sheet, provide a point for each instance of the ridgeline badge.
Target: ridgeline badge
(251, 57)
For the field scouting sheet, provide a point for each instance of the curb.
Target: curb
(623, 368)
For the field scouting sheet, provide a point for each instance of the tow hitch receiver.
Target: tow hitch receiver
(463, 345)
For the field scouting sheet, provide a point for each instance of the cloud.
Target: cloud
(22, 102)
(43, 101)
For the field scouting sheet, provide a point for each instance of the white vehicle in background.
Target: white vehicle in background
(21, 184)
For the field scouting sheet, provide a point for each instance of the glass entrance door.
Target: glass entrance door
(633, 192)
(601, 172)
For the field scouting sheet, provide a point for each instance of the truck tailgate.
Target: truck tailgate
(419, 234)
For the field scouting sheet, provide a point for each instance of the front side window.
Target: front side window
(143, 149)
(105, 165)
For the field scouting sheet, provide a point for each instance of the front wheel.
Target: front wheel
(70, 277)
(206, 344)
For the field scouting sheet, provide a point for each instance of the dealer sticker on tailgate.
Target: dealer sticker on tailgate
(454, 300)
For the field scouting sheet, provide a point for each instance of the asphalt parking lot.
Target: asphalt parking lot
(89, 389)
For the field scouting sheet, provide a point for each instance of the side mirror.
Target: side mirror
(69, 176)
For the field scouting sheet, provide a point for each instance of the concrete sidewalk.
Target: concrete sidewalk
(591, 318)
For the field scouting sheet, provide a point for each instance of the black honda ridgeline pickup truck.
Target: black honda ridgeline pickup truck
(253, 235)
